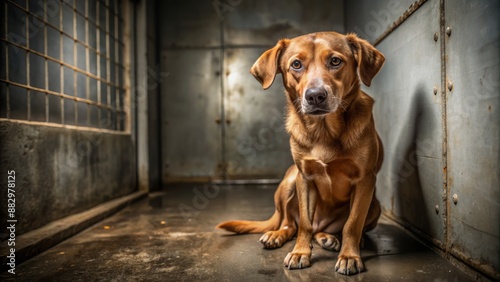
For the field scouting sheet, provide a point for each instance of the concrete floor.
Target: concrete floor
(170, 236)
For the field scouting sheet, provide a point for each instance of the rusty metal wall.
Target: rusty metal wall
(473, 120)
(257, 22)
(191, 92)
(217, 122)
(256, 142)
(191, 106)
(437, 100)
(408, 117)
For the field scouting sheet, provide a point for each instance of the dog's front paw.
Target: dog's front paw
(348, 265)
(297, 260)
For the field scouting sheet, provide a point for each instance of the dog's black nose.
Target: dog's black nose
(315, 96)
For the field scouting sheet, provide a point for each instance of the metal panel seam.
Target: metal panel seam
(223, 166)
(446, 192)
(413, 7)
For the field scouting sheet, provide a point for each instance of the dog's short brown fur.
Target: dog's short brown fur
(329, 194)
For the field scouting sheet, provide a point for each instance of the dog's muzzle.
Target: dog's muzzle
(316, 101)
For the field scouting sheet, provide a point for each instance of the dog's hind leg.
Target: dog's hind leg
(288, 227)
(276, 238)
(328, 241)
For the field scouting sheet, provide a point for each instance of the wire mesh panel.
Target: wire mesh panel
(62, 62)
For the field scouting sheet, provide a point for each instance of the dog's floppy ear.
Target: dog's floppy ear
(266, 67)
(369, 59)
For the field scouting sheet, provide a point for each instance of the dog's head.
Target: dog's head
(319, 69)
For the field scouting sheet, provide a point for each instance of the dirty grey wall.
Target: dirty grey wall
(217, 121)
(62, 171)
(437, 111)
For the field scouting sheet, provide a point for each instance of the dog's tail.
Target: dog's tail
(245, 226)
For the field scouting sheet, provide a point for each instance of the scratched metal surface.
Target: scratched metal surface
(256, 142)
(408, 118)
(191, 23)
(191, 92)
(254, 22)
(473, 51)
(369, 19)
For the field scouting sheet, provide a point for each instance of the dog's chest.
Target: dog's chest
(325, 153)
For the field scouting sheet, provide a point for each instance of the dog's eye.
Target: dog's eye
(296, 64)
(335, 62)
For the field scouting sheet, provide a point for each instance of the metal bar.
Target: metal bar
(117, 72)
(62, 63)
(87, 59)
(118, 66)
(413, 7)
(67, 126)
(116, 14)
(7, 62)
(57, 28)
(75, 60)
(245, 181)
(28, 79)
(108, 75)
(62, 95)
(78, 12)
(46, 64)
(98, 66)
(61, 53)
(128, 52)
(95, 23)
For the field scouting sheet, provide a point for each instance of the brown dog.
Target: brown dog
(337, 152)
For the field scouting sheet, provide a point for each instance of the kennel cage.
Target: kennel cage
(102, 102)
